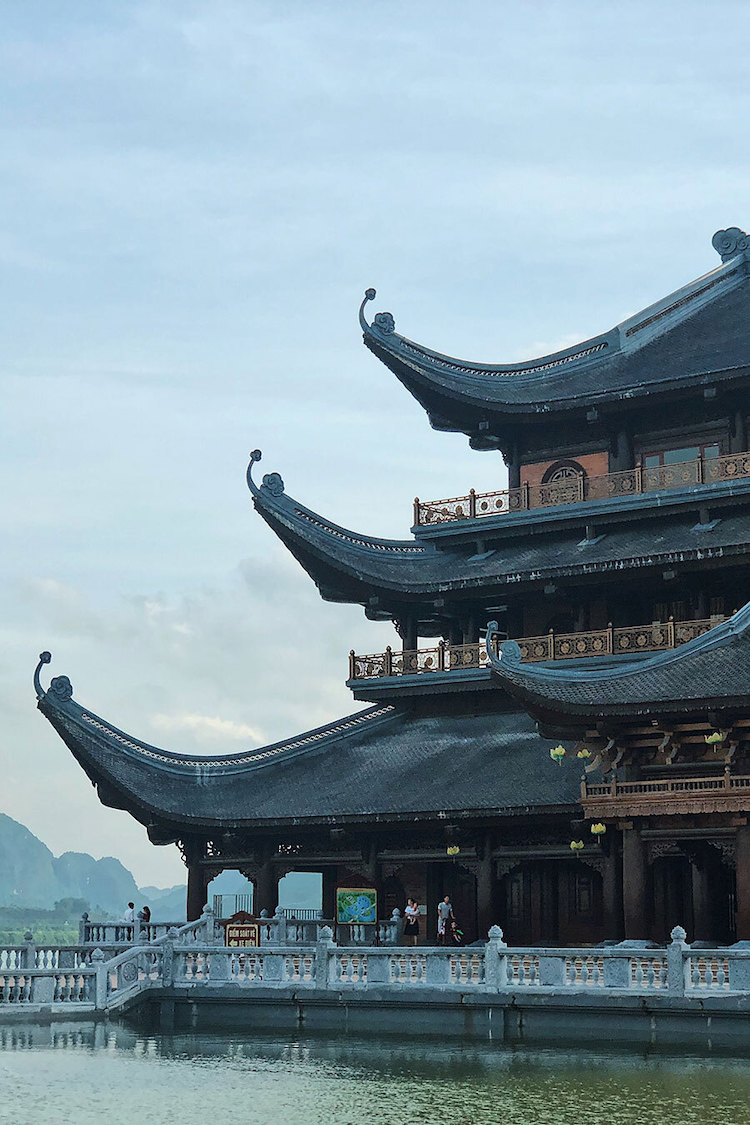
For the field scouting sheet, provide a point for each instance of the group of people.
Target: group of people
(448, 931)
(144, 915)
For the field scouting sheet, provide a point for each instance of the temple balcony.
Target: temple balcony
(582, 489)
(673, 797)
(452, 659)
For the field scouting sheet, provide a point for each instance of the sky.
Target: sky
(194, 195)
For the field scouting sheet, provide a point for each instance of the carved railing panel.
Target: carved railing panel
(659, 636)
(631, 482)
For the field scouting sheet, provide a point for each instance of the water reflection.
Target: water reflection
(83, 1073)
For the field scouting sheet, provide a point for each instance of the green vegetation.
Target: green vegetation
(58, 926)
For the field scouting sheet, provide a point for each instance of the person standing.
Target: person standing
(445, 917)
(129, 915)
(411, 921)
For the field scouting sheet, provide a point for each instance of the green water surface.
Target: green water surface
(84, 1074)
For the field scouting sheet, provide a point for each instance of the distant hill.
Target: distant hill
(31, 877)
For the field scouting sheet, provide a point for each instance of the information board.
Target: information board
(242, 934)
(356, 905)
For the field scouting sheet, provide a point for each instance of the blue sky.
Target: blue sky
(193, 197)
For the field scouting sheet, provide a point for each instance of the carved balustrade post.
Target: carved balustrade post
(639, 478)
(417, 512)
(676, 962)
(441, 655)
(551, 645)
(100, 993)
(670, 632)
(280, 926)
(495, 970)
(472, 504)
(29, 951)
(323, 950)
(352, 669)
(610, 638)
(525, 495)
(207, 925)
(389, 661)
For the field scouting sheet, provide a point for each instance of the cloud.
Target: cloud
(208, 727)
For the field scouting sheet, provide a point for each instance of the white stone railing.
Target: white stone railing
(492, 968)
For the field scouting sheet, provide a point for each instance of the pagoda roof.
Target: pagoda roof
(700, 333)
(348, 566)
(708, 674)
(383, 763)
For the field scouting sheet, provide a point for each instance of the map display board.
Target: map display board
(356, 905)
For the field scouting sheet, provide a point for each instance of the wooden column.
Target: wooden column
(485, 904)
(266, 890)
(410, 638)
(703, 920)
(612, 889)
(330, 879)
(742, 848)
(738, 434)
(634, 883)
(197, 883)
(624, 457)
(514, 468)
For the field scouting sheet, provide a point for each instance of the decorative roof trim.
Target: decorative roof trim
(59, 697)
(631, 334)
(271, 497)
(539, 682)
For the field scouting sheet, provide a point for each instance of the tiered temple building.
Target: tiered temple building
(612, 572)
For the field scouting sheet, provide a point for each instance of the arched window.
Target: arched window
(562, 471)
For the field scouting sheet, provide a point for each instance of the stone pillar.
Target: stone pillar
(266, 890)
(330, 879)
(742, 845)
(197, 882)
(634, 883)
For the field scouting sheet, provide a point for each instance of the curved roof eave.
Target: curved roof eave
(120, 762)
(567, 379)
(382, 764)
(364, 561)
(710, 672)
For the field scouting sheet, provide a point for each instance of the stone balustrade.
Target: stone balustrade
(493, 968)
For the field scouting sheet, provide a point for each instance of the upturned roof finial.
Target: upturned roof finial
(730, 242)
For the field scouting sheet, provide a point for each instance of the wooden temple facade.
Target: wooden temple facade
(570, 652)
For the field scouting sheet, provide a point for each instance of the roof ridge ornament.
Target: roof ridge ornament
(44, 658)
(272, 483)
(383, 322)
(730, 242)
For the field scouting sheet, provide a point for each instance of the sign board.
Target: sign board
(356, 905)
(242, 931)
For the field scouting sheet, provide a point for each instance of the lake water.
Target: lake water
(81, 1074)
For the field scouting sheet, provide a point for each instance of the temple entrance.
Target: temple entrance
(695, 890)
(556, 903)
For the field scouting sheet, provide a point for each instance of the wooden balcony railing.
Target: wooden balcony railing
(632, 482)
(720, 793)
(656, 637)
